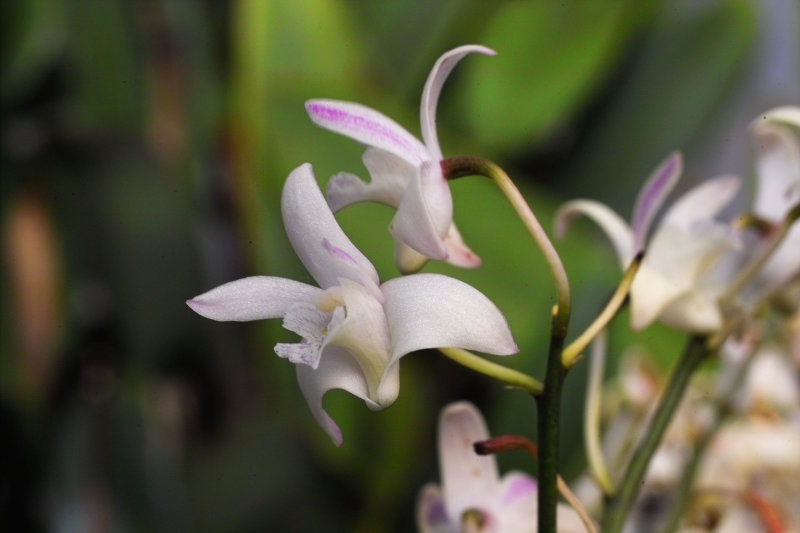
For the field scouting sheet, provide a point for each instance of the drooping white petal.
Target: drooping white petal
(468, 479)
(433, 87)
(432, 310)
(458, 253)
(652, 196)
(778, 171)
(389, 176)
(253, 298)
(616, 229)
(702, 203)
(431, 512)
(336, 370)
(364, 333)
(425, 213)
(367, 126)
(315, 235)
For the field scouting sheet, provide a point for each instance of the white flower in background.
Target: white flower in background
(354, 331)
(472, 497)
(777, 191)
(405, 173)
(674, 282)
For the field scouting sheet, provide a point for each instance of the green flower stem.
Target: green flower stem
(549, 401)
(591, 419)
(494, 370)
(696, 351)
(457, 167)
(571, 353)
(723, 407)
(549, 406)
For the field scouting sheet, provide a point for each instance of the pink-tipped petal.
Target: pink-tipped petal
(310, 224)
(336, 370)
(616, 229)
(458, 253)
(432, 310)
(425, 213)
(517, 502)
(468, 479)
(368, 127)
(253, 298)
(433, 87)
(652, 196)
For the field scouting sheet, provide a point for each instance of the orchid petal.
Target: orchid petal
(650, 294)
(702, 203)
(337, 370)
(693, 311)
(316, 237)
(789, 115)
(389, 176)
(425, 213)
(616, 229)
(778, 166)
(517, 502)
(682, 255)
(364, 333)
(368, 127)
(458, 253)
(467, 478)
(253, 298)
(432, 310)
(433, 87)
(431, 512)
(652, 196)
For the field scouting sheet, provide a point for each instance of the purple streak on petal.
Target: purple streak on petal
(520, 486)
(338, 253)
(357, 125)
(437, 514)
(652, 195)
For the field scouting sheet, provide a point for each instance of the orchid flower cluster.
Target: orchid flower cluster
(695, 272)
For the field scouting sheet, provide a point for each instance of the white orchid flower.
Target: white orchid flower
(673, 283)
(472, 497)
(354, 331)
(778, 190)
(405, 173)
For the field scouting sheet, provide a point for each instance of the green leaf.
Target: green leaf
(551, 57)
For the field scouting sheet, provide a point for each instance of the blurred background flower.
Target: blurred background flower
(144, 146)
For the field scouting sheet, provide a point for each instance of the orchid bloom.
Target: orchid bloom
(354, 331)
(672, 284)
(778, 190)
(405, 173)
(472, 497)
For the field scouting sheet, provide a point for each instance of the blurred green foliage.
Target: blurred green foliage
(152, 139)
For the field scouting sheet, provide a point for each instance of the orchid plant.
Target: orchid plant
(354, 329)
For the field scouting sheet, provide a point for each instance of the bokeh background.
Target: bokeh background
(144, 147)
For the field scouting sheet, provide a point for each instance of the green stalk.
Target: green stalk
(617, 509)
(549, 402)
(499, 372)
